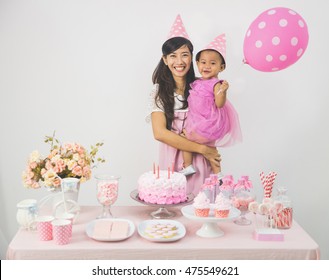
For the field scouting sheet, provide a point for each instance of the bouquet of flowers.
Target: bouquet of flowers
(64, 160)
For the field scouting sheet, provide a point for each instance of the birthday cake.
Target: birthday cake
(163, 187)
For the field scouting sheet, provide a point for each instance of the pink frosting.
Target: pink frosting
(162, 190)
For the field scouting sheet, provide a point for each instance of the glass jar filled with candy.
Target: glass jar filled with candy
(284, 210)
(241, 199)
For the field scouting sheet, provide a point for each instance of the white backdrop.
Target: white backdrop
(83, 68)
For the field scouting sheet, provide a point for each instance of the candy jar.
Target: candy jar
(227, 186)
(216, 182)
(247, 182)
(107, 193)
(241, 200)
(26, 213)
(284, 210)
(240, 185)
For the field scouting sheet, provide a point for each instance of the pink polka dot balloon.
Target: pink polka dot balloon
(276, 39)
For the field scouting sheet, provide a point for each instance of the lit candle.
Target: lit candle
(153, 167)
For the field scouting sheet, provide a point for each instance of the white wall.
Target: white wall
(83, 68)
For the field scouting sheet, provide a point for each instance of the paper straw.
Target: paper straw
(262, 178)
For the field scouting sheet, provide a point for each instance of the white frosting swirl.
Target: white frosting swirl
(201, 201)
(222, 202)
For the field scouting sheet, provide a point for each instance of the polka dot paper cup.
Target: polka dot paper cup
(67, 216)
(61, 231)
(44, 227)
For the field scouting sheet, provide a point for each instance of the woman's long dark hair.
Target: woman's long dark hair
(163, 76)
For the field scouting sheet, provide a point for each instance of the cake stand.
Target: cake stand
(162, 212)
(209, 228)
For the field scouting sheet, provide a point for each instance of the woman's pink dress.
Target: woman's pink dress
(208, 124)
(168, 154)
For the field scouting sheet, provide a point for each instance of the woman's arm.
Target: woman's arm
(162, 134)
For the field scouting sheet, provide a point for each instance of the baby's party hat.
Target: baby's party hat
(178, 29)
(218, 44)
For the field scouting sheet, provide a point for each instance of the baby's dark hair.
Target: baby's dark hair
(197, 57)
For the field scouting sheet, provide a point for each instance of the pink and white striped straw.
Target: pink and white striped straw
(262, 178)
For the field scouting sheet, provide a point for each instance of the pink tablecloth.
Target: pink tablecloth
(237, 242)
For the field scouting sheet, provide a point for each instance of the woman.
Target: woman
(171, 79)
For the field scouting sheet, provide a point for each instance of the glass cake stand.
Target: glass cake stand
(162, 212)
(209, 228)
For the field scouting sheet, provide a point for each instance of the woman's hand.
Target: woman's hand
(212, 155)
(162, 134)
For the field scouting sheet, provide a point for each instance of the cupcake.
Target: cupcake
(201, 205)
(222, 206)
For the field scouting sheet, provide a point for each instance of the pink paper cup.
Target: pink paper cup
(67, 216)
(61, 231)
(44, 227)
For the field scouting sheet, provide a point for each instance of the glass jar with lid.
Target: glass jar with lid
(284, 209)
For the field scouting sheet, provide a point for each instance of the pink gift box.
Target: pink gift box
(268, 234)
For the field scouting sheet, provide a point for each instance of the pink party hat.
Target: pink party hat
(178, 29)
(218, 44)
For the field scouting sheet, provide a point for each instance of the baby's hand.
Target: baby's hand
(223, 85)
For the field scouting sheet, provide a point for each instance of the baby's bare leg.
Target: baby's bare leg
(188, 158)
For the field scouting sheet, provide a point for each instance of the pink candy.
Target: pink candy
(107, 193)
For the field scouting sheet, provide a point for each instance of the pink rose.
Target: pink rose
(77, 170)
(35, 185)
(33, 165)
(81, 162)
(48, 165)
(86, 172)
(57, 182)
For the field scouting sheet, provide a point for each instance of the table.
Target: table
(237, 242)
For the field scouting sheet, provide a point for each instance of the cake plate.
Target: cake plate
(209, 228)
(162, 212)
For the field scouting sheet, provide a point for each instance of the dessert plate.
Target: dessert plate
(178, 228)
(210, 226)
(91, 225)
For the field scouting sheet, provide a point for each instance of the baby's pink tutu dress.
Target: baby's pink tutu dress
(169, 155)
(205, 122)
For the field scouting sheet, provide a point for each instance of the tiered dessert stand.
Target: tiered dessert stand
(210, 227)
(162, 212)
